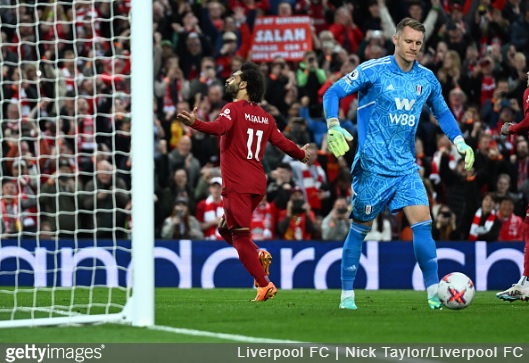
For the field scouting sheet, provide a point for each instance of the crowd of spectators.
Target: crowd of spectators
(66, 116)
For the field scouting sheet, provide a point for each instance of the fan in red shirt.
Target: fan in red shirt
(520, 290)
(244, 129)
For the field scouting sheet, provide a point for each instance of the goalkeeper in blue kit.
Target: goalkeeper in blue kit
(391, 94)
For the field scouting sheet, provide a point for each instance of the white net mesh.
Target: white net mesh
(65, 131)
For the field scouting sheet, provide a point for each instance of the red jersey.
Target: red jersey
(245, 128)
(523, 126)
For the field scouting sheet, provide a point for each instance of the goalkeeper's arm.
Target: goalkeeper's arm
(449, 126)
(465, 150)
(337, 137)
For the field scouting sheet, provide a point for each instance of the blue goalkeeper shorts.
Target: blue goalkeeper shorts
(373, 192)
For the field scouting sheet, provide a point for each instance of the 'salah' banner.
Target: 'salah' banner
(274, 36)
(208, 264)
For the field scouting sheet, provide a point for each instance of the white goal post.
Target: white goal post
(74, 266)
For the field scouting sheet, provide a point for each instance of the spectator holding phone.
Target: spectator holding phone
(335, 225)
(296, 223)
(445, 228)
(181, 224)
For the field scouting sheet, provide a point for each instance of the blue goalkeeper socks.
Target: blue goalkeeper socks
(352, 249)
(425, 252)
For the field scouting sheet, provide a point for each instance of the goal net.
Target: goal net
(68, 85)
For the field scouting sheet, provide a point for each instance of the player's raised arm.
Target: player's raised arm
(187, 118)
(217, 127)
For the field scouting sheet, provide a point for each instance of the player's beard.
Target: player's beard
(232, 89)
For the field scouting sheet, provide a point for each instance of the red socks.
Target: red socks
(249, 256)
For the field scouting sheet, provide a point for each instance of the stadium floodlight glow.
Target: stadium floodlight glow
(62, 88)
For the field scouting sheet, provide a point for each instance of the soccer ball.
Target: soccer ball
(456, 290)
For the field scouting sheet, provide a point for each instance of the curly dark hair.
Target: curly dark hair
(255, 81)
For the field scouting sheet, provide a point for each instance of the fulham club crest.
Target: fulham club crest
(418, 89)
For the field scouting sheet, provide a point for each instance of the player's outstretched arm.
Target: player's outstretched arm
(287, 146)
(187, 118)
(337, 137)
(465, 150)
(190, 119)
(520, 128)
(505, 128)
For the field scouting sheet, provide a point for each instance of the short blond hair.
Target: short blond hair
(412, 23)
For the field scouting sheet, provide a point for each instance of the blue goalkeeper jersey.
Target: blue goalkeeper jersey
(390, 102)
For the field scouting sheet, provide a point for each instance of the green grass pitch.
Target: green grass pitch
(386, 316)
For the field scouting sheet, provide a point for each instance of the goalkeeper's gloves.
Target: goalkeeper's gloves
(464, 149)
(337, 137)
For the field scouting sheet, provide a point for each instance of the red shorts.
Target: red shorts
(238, 208)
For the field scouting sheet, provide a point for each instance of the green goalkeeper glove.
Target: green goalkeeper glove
(337, 137)
(466, 150)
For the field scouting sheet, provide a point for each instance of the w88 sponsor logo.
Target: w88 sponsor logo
(402, 119)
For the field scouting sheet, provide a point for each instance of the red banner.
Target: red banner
(281, 36)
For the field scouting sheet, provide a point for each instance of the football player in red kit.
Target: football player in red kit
(244, 129)
(520, 290)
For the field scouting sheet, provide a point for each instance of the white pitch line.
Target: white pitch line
(234, 337)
